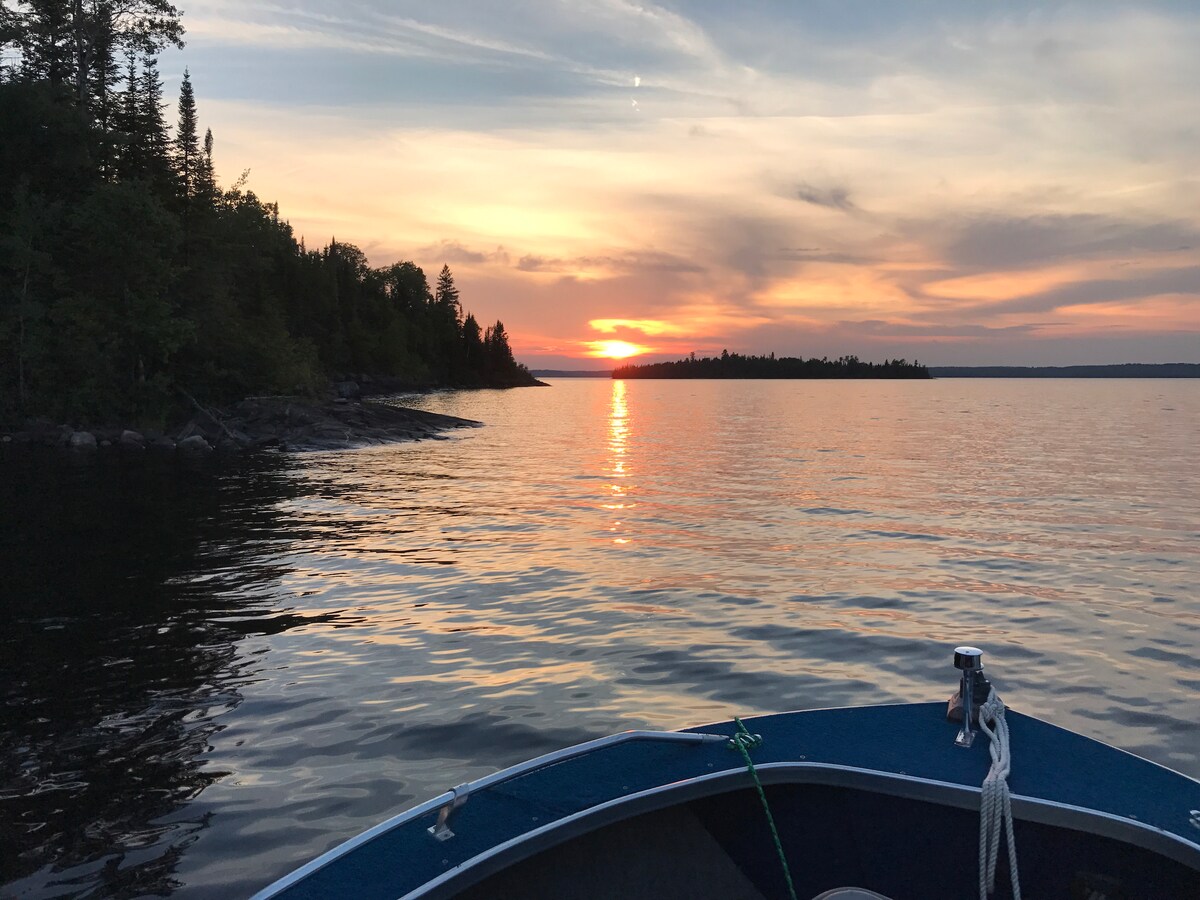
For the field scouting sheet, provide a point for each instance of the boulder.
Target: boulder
(162, 444)
(348, 389)
(82, 440)
(194, 444)
(132, 439)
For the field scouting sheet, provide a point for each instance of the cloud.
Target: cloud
(1185, 281)
(446, 251)
(998, 241)
(649, 327)
(834, 197)
(881, 328)
(632, 262)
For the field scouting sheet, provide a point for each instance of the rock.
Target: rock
(7, 439)
(82, 440)
(106, 443)
(194, 444)
(161, 444)
(348, 389)
(132, 439)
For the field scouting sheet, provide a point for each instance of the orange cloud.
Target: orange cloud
(652, 327)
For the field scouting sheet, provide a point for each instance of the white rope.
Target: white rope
(995, 805)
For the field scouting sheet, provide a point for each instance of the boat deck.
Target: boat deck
(1059, 779)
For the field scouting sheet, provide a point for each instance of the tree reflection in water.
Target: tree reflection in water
(127, 585)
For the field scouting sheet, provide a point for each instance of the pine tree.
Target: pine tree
(446, 294)
(472, 340)
(187, 143)
(101, 29)
(500, 362)
(128, 122)
(155, 142)
(44, 38)
(208, 178)
(103, 78)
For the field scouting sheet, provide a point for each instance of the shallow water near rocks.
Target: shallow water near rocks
(212, 672)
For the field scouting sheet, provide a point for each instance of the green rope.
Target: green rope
(744, 742)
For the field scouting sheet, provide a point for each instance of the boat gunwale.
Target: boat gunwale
(1025, 807)
(911, 787)
(463, 791)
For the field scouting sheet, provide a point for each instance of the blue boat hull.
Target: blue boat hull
(878, 797)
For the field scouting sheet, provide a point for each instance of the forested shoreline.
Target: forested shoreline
(736, 365)
(131, 280)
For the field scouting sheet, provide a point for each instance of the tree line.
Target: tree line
(736, 365)
(129, 276)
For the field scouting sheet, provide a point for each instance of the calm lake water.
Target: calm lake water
(210, 674)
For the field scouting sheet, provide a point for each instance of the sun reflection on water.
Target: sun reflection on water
(618, 468)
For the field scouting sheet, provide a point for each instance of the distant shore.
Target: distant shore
(1122, 370)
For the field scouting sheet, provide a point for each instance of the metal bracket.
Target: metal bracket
(1194, 819)
(441, 828)
(458, 796)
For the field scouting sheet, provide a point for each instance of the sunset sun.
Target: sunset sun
(615, 349)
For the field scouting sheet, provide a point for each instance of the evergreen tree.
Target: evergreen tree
(187, 141)
(77, 43)
(208, 179)
(44, 39)
(100, 29)
(500, 362)
(131, 137)
(472, 339)
(103, 78)
(446, 294)
(155, 141)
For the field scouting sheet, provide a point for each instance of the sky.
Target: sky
(959, 183)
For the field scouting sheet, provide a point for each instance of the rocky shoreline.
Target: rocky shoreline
(257, 423)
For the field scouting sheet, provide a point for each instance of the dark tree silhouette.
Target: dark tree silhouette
(128, 275)
(187, 140)
(735, 365)
(446, 293)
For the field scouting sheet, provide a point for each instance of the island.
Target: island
(736, 365)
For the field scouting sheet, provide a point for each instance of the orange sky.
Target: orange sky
(957, 185)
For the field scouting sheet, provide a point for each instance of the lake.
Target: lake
(213, 672)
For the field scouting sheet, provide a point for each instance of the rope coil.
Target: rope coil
(995, 803)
